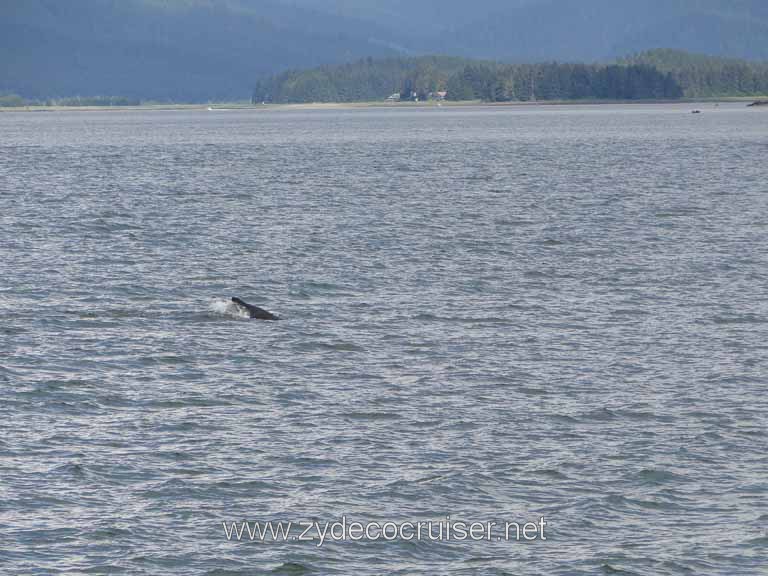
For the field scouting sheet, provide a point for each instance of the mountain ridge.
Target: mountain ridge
(198, 50)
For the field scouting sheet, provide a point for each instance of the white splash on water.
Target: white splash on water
(228, 308)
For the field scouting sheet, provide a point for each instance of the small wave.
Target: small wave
(314, 286)
(600, 415)
(291, 569)
(537, 274)
(69, 469)
(373, 416)
(167, 359)
(105, 569)
(332, 346)
(681, 211)
(244, 486)
(12, 330)
(641, 415)
(656, 476)
(478, 177)
(185, 403)
(428, 479)
(619, 502)
(629, 312)
(745, 319)
(564, 419)
(512, 222)
(551, 474)
(610, 569)
(531, 391)
(112, 314)
(459, 320)
(462, 425)
(109, 534)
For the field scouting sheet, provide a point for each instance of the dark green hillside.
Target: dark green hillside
(707, 76)
(361, 81)
(418, 78)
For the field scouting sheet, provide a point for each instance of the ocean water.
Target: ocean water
(487, 314)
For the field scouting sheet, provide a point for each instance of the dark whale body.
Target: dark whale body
(254, 311)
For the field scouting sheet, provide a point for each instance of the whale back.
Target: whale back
(254, 311)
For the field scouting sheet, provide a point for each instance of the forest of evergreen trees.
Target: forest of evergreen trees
(561, 82)
(362, 81)
(660, 74)
(707, 76)
(418, 78)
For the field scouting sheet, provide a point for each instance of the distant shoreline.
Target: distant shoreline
(224, 106)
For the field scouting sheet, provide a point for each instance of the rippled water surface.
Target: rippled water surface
(495, 314)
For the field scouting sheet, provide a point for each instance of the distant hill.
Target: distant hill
(195, 50)
(588, 30)
(183, 50)
(599, 30)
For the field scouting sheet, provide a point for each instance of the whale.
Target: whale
(254, 311)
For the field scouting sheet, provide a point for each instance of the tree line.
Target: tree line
(658, 74)
(361, 81)
(528, 82)
(703, 76)
(423, 77)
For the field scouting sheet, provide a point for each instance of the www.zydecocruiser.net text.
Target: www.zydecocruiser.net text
(344, 530)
